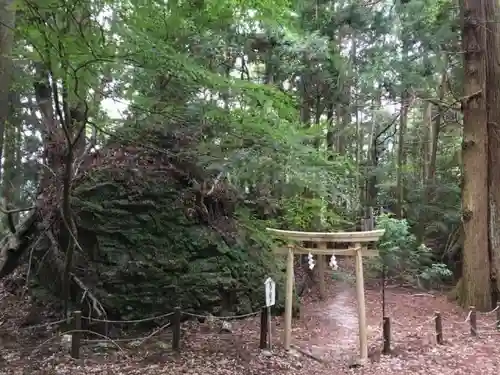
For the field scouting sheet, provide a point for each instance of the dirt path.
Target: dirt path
(335, 337)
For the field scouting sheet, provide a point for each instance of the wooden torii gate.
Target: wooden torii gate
(322, 239)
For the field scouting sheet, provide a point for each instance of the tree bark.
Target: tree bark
(426, 140)
(371, 192)
(491, 10)
(436, 127)
(431, 155)
(476, 288)
(7, 24)
(9, 179)
(403, 122)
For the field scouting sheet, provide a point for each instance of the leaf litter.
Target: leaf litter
(327, 331)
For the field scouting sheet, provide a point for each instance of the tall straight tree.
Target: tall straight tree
(476, 261)
(7, 22)
(491, 10)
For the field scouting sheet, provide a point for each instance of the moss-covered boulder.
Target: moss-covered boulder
(152, 241)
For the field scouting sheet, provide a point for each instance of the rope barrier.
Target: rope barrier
(224, 318)
(419, 328)
(473, 330)
(137, 341)
(135, 321)
(478, 332)
(140, 339)
(466, 319)
(492, 324)
(489, 312)
(50, 324)
(404, 325)
(105, 338)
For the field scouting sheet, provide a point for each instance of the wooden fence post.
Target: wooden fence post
(76, 335)
(176, 329)
(439, 328)
(473, 321)
(263, 328)
(498, 316)
(387, 335)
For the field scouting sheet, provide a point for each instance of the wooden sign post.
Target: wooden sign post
(270, 287)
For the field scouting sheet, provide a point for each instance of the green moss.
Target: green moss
(148, 257)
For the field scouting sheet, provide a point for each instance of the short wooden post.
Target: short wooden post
(106, 328)
(473, 321)
(176, 329)
(387, 335)
(360, 294)
(289, 298)
(263, 328)
(439, 328)
(498, 316)
(269, 329)
(371, 218)
(76, 335)
(321, 271)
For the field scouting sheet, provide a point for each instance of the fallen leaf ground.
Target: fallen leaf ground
(327, 331)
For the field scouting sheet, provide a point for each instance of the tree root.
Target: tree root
(14, 245)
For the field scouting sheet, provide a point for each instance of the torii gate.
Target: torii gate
(360, 240)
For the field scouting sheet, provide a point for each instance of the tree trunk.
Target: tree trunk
(357, 120)
(343, 101)
(476, 262)
(9, 180)
(7, 23)
(436, 127)
(493, 104)
(403, 122)
(371, 192)
(430, 168)
(426, 140)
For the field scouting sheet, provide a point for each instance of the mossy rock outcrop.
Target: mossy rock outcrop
(147, 249)
(155, 230)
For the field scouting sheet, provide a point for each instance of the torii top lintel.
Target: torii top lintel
(354, 237)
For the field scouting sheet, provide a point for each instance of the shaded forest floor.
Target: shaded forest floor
(327, 330)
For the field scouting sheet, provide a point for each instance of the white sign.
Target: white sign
(270, 287)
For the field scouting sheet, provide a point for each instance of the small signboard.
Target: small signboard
(270, 287)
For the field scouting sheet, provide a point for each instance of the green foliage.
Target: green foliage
(406, 260)
(299, 213)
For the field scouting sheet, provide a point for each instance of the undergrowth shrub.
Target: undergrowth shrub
(406, 260)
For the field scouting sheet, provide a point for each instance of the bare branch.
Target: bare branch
(15, 210)
(97, 306)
